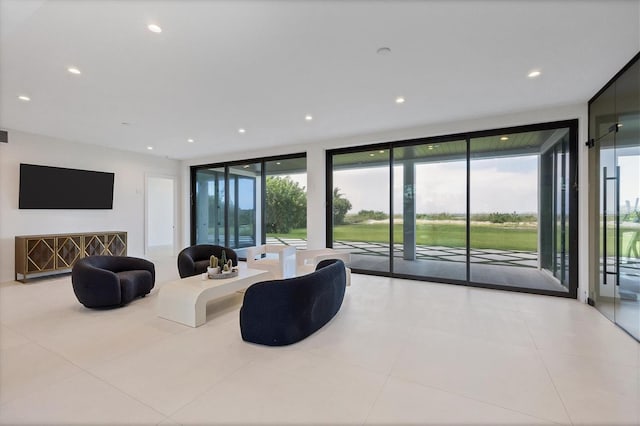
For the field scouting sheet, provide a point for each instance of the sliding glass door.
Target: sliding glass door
(244, 204)
(519, 209)
(554, 217)
(492, 209)
(361, 213)
(285, 207)
(430, 219)
(210, 202)
(244, 181)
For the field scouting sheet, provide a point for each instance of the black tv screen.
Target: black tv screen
(43, 187)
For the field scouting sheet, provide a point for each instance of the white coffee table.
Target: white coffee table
(185, 300)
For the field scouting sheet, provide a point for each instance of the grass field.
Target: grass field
(493, 236)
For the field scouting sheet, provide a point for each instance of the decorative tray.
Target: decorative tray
(221, 276)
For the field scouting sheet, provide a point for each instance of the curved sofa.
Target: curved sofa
(282, 312)
(111, 281)
(195, 259)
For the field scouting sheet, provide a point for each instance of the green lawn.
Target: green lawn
(446, 234)
(294, 233)
(501, 237)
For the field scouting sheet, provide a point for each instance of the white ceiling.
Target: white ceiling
(262, 65)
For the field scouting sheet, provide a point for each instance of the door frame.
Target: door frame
(174, 179)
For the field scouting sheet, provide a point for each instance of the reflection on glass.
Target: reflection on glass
(430, 228)
(285, 216)
(361, 222)
(519, 209)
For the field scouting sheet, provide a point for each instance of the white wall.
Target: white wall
(316, 159)
(128, 203)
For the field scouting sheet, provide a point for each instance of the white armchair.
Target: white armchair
(307, 260)
(280, 260)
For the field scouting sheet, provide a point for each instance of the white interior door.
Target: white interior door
(160, 217)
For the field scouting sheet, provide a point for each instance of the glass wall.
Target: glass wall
(244, 204)
(492, 209)
(614, 132)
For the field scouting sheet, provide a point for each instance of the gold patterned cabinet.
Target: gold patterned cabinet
(39, 254)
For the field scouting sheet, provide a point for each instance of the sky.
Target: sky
(497, 185)
(505, 185)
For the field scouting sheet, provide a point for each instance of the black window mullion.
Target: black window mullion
(329, 200)
(391, 219)
(226, 206)
(468, 215)
(263, 202)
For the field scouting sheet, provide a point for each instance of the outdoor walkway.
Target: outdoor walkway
(481, 256)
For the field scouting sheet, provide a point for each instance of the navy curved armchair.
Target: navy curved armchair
(111, 281)
(195, 259)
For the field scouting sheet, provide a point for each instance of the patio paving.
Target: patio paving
(514, 258)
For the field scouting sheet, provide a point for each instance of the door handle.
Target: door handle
(604, 224)
(616, 212)
(617, 229)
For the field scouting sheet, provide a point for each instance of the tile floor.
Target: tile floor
(398, 352)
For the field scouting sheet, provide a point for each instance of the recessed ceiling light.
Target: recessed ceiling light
(308, 117)
(430, 147)
(74, 70)
(504, 138)
(400, 100)
(278, 163)
(241, 130)
(149, 148)
(24, 98)
(381, 151)
(371, 155)
(383, 51)
(190, 140)
(154, 28)
(534, 74)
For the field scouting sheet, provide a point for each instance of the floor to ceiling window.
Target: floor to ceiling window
(430, 204)
(494, 208)
(285, 209)
(361, 210)
(210, 190)
(519, 209)
(247, 203)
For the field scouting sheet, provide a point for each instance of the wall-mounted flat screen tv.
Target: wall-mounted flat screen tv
(44, 187)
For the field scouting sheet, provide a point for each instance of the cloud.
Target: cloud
(497, 185)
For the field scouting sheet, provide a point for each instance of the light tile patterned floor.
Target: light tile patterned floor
(398, 352)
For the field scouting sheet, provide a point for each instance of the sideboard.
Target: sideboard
(57, 253)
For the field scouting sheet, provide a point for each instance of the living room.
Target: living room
(224, 83)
